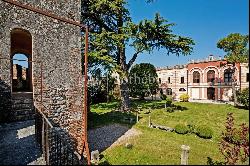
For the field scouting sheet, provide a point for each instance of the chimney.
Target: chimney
(210, 57)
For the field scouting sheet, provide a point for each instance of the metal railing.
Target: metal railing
(56, 145)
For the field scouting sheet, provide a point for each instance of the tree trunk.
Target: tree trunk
(125, 103)
(234, 93)
(234, 83)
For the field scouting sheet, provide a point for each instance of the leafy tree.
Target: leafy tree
(112, 30)
(99, 89)
(236, 47)
(142, 80)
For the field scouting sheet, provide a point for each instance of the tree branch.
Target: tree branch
(98, 21)
(132, 60)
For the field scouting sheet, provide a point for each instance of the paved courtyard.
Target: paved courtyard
(18, 145)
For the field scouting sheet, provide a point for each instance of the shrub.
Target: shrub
(204, 132)
(170, 109)
(192, 128)
(234, 145)
(243, 97)
(210, 161)
(168, 101)
(111, 97)
(181, 129)
(184, 97)
(163, 96)
(178, 107)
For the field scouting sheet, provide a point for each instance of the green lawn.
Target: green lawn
(154, 146)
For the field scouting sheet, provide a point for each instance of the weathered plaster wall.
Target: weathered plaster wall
(175, 73)
(57, 45)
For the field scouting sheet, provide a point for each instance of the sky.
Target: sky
(205, 21)
(21, 57)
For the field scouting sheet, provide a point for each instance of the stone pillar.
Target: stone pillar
(202, 93)
(184, 154)
(19, 71)
(219, 95)
(216, 94)
(95, 157)
(149, 123)
(19, 77)
(137, 117)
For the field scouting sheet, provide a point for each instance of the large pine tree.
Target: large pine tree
(112, 30)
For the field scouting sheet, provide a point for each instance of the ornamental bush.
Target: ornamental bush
(204, 132)
(168, 101)
(178, 107)
(184, 98)
(170, 109)
(243, 97)
(192, 128)
(163, 96)
(234, 144)
(181, 129)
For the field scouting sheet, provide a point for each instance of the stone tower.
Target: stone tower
(46, 31)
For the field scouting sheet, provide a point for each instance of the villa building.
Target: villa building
(206, 79)
(173, 80)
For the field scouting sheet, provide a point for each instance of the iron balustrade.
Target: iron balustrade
(56, 145)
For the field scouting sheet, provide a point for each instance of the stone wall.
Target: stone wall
(57, 45)
(65, 8)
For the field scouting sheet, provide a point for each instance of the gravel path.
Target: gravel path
(18, 145)
(109, 136)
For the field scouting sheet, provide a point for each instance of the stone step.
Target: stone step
(21, 115)
(22, 106)
(25, 112)
(16, 95)
(24, 117)
(20, 101)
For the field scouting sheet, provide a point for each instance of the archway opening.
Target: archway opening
(21, 53)
(211, 93)
(20, 76)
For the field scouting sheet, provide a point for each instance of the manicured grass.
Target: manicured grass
(154, 146)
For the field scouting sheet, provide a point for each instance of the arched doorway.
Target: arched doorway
(21, 66)
(211, 93)
(21, 73)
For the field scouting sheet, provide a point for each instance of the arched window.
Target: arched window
(182, 90)
(227, 76)
(210, 76)
(196, 77)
